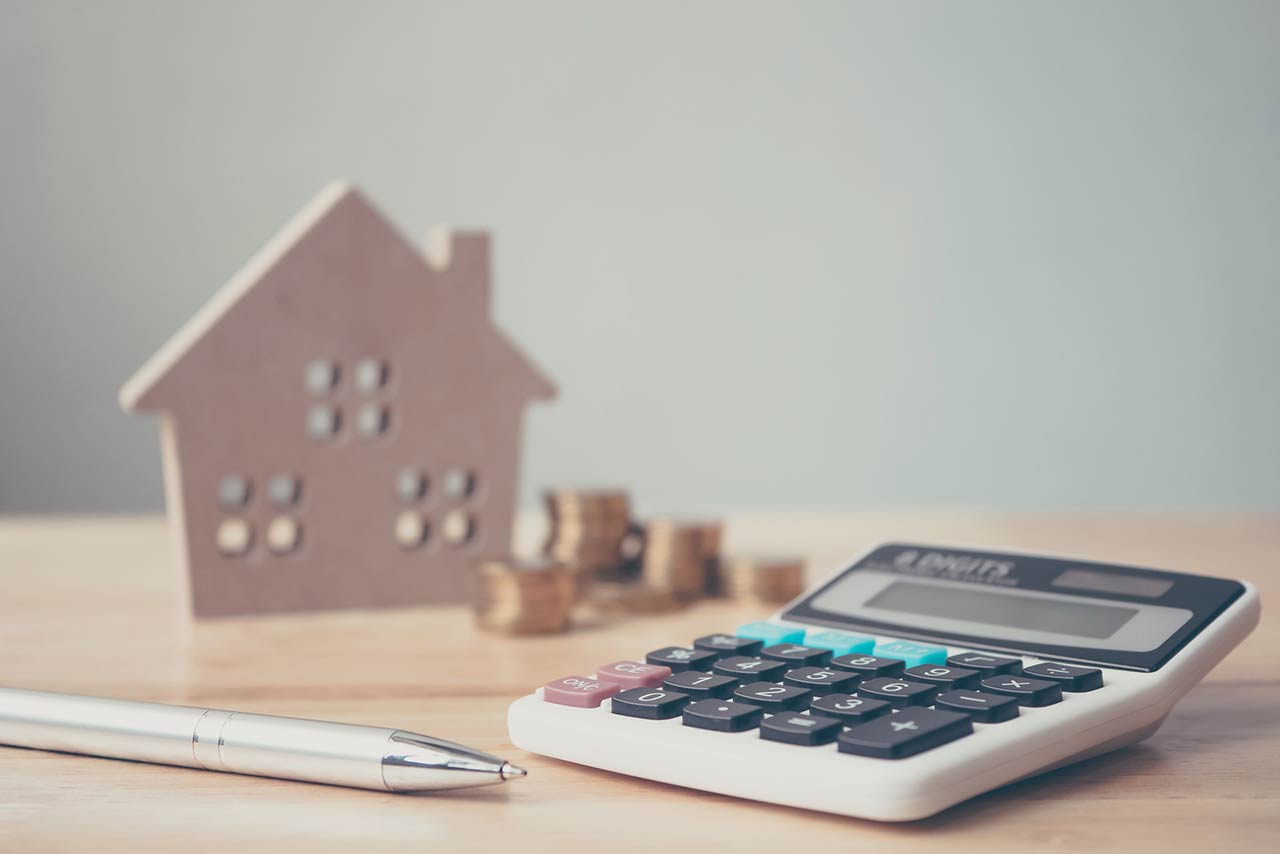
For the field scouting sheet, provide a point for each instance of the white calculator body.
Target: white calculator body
(913, 680)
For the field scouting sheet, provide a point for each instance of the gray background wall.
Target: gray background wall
(775, 254)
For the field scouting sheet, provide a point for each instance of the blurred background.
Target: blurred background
(830, 253)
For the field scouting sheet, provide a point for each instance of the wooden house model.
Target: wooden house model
(341, 423)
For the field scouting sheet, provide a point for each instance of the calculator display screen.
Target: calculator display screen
(998, 608)
(1064, 609)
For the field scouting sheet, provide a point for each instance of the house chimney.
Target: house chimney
(461, 258)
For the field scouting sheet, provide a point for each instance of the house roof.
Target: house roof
(145, 390)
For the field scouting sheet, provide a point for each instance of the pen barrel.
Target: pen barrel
(121, 729)
(291, 748)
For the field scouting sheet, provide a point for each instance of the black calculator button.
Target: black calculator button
(1028, 691)
(723, 715)
(821, 680)
(906, 733)
(1072, 678)
(869, 666)
(750, 669)
(796, 655)
(773, 697)
(899, 693)
(946, 678)
(983, 707)
(701, 685)
(680, 658)
(987, 665)
(726, 645)
(850, 709)
(800, 729)
(654, 704)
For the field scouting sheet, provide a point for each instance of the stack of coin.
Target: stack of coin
(678, 556)
(588, 528)
(769, 580)
(523, 599)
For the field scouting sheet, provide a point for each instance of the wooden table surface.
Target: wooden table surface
(91, 606)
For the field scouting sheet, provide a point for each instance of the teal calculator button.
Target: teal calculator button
(840, 643)
(912, 653)
(770, 633)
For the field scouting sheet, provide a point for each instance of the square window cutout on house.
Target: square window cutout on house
(411, 485)
(233, 491)
(320, 376)
(284, 490)
(323, 421)
(371, 375)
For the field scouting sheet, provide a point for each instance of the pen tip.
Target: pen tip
(510, 772)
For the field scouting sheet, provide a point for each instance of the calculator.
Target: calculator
(914, 679)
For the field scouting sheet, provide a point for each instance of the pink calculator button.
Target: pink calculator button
(633, 674)
(581, 691)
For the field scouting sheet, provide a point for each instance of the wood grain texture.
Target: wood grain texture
(92, 606)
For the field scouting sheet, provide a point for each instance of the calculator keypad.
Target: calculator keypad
(725, 646)
(773, 697)
(946, 678)
(1027, 691)
(680, 658)
(891, 699)
(905, 734)
(654, 704)
(701, 685)
(1072, 678)
(869, 666)
(899, 693)
(821, 680)
(751, 669)
(984, 707)
(849, 709)
(803, 729)
(633, 674)
(840, 643)
(797, 655)
(987, 665)
(723, 715)
(912, 653)
(582, 692)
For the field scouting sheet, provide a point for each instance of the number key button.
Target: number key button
(796, 655)
(983, 707)
(946, 678)
(1027, 691)
(898, 692)
(869, 666)
(905, 734)
(680, 658)
(849, 709)
(774, 698)
(633, 674)
(723, 715)
(754, 669)
(701, 685)
(654, 704)
(1074, 679)
(821, 680)
(800, 729)
(726, 645)
(987, 665)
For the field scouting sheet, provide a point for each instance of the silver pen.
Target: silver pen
(365, 757)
